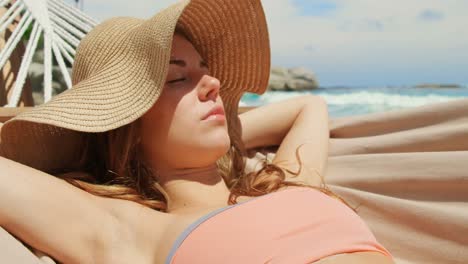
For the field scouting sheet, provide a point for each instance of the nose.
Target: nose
(209, 88)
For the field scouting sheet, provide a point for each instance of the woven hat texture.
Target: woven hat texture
(120, 69)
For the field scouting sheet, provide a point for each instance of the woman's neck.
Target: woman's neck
(193, 189)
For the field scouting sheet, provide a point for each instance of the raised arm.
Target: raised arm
(291, 123)
(53, 216)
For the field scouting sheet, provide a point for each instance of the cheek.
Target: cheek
(153, 131)
(189, 131)
(185, 123)
(212, 134)
(155, 125)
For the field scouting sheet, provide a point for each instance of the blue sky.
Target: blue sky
(353, 42)
(314, 8)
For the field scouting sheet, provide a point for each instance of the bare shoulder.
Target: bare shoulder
(363, 257)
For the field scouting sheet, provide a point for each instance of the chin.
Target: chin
(213, 146)
(221, 148)
(218, 140)
(218, 150)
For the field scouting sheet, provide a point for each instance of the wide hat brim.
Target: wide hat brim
(120, 70)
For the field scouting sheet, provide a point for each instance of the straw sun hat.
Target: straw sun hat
(120, 70)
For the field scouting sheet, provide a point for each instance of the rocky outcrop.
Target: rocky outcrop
(437, 85)
(293, 79)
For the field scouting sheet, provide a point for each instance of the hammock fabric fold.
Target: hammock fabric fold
(409, 171)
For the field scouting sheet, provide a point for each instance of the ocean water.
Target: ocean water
(349, 101)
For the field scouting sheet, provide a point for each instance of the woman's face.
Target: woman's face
(174, 132)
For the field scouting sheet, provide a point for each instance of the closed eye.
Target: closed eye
(177, 80)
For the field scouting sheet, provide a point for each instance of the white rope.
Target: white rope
(66, 16)
(59, 43)
(67, 36)
(25, 63)
(47, 67)
(74, 11)
(10, 10)
(65, 53)
(14, 39)
(64, 34)
(4, 2)
(60, 22)
(71, 16)
(65, 44)
(61, 63)
(40, 13)
(8, 17)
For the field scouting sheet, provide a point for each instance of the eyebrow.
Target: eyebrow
(183, 63)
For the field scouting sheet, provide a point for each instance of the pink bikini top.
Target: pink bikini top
(294, 225)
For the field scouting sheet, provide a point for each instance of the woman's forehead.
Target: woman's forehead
(183, 50)
(180, 43)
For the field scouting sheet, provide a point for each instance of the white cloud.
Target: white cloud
(363, 34)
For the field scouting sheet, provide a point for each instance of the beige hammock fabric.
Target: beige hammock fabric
(405, 170)
(411, 178)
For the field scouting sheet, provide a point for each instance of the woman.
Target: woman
(154, 139)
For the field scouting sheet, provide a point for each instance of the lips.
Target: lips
(217, 110)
